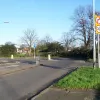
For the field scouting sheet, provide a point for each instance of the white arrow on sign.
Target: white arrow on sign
(98, 29)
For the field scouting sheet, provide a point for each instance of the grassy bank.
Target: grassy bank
(83, 78)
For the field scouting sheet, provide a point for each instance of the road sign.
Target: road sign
(98, 29)
(34, 46)
(97, 20)
(97, 24)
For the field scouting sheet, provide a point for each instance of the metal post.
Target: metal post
(94, 46)
(34, 53)
(98, 52)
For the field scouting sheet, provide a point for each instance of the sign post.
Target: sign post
(34, 50)
(97, 24)
(94, 45)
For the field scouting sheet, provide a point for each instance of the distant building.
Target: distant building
(22, 49)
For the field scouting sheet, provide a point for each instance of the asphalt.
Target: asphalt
(9, 66)
(25, 84)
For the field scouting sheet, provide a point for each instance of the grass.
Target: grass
(83, 78)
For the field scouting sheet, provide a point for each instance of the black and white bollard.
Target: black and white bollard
(37, 60)
(12, 57)
(49, 57)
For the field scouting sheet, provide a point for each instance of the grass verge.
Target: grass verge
(83, 78)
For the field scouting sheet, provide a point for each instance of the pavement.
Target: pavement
(28, 83)
(58, 94)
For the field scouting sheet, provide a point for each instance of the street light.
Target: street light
(94, 47)
(5, 22)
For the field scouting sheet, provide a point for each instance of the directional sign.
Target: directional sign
(34, 46)
(97, 24)
(98, 29)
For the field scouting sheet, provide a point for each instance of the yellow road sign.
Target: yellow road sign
(98, 29)
(97, 24)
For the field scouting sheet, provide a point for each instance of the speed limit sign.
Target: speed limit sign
(97, 24)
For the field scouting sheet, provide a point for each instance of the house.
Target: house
(22, 49)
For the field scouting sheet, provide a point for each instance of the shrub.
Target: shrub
(78, 53)
(20, 55)
(7, 50)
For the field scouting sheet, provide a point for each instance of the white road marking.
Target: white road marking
(11, 66)
(9, 63)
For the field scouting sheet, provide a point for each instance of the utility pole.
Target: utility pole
(98, 52)
(94, 45)
(97, 31)
(97, 24)
(34, 50)
(34, 53)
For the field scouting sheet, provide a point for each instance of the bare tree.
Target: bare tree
(29, 38)
(83, 25)
(68, 40)
(9, 43)
(47, 39)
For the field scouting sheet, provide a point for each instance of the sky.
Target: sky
(44, 16)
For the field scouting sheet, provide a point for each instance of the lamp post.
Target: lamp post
(6, 22)
(34, 50)
(94, 46)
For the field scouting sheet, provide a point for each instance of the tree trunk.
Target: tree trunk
(30, 50)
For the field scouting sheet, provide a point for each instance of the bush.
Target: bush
(20, 55)
(78, 53)
(43, 54)
(7, 50)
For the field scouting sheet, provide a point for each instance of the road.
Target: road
(23, 84)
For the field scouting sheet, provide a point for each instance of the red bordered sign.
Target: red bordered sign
(97, 24)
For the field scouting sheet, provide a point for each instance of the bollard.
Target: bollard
(49, 57)
(37, 60)
(12, 57)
